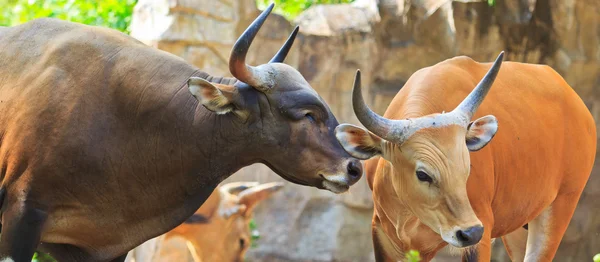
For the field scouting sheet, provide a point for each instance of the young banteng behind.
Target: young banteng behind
(218, 231)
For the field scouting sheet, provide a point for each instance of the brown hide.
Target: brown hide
(536, 166)
(103, 145)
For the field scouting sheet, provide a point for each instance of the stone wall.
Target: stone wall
(388, 40)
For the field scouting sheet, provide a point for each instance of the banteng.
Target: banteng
(437, 183)
(106, 142)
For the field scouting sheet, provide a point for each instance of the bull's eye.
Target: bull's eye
(422, 176)
(310, 117)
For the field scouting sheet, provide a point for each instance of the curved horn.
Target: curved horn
(285, 49)
(474, 99)
(237, 61)
(391, 130)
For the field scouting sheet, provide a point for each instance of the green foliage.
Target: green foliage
(413, 256)
(491, 3)
(108, 13)
(597, 258)
(291, 8)
(42, 257)
(254, 233)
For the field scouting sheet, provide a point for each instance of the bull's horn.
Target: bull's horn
(237, 61)
(468, 106)
(391, 130)
(285, 49)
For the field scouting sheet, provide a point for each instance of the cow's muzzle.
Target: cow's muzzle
(341, 182)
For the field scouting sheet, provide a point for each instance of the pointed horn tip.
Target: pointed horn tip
(357, 81)
(270, 7)
(500, 56)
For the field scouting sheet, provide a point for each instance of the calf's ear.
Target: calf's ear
(358, 142)
(251, 197)
(480, 132)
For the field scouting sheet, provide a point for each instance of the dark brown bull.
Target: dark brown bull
(106, 142)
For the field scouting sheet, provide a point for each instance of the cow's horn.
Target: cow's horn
(285, 49)
(391, 130)
(468, 106)
(237, 61)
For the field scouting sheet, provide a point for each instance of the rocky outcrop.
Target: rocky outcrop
(388, 40)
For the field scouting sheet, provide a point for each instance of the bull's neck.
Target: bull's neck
(221, 146)
(404, 230)
(194, 147)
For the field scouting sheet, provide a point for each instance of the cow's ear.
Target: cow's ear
(480, 132)
(358, 142)
(218, 100)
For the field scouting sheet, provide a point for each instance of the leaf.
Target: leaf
(413, 256)
(108, 13)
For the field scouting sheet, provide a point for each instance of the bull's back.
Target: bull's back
(78, 104)
(545, 144)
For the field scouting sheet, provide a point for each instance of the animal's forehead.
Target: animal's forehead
(445, 142)
(288, 78)
(300, 98)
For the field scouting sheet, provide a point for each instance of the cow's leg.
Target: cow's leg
(21, 232)
(547, 229)
(515, 244)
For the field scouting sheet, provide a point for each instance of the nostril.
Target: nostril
(470, 236)
(462, 236)
(354, 169)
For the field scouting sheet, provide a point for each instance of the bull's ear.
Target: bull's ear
(480, 132)
(358, 142)
(213, 98)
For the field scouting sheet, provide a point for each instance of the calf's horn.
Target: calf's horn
(236, 187)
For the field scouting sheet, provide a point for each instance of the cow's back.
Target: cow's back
(546, 138)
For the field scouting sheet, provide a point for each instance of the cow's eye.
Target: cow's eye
(310, 117)
(422, 176)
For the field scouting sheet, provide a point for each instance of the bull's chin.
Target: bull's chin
(335, 187)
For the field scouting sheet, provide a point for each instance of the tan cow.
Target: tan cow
(435, 183)
(219, 230)
(106, 142)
